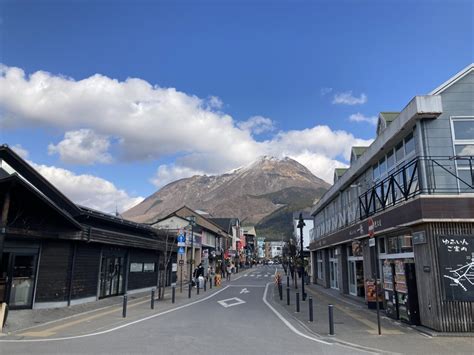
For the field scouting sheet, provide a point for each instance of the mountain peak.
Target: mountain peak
(242, 193)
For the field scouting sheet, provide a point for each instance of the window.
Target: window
(319, 259)
(382, 166)
(399, 153)
(400, 244)
(149, 267)
(390, 160)
(409, 144)
(463, 140)
(136, 267)
(381, 242)
(375, 172)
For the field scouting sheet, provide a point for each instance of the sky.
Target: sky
(111, 100)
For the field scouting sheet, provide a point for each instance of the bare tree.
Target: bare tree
(170, 246)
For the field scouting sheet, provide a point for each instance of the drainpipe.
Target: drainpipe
(421, 144)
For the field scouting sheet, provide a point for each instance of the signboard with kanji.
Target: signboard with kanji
(456, 262)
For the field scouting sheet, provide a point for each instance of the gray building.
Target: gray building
(403, 213)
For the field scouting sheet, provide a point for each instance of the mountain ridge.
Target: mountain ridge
(249, 193)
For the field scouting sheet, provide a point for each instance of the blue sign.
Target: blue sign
(181, 250)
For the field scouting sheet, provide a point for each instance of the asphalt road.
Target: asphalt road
(237, 319)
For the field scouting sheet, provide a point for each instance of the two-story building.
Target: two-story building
(403, 213)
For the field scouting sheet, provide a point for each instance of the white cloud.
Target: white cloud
(325, 91)
(169, 173)
(346, 98)
(359, 117)
(138, 121)
(319, 165)
(82, 147)
(22, 152)
(87, 190)
(257, 125)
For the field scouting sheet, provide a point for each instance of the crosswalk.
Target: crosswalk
(258, 275)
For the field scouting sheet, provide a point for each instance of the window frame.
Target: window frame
(456, 142)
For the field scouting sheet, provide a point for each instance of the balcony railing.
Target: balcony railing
(422, 175)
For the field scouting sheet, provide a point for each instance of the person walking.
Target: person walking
(229, 271)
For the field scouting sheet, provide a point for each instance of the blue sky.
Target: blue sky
(221, 82)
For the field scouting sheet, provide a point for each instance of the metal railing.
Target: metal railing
(422, 175)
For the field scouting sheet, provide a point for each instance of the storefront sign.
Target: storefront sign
(456, 262)
(419, 237)
(372, 242)
(370, 291)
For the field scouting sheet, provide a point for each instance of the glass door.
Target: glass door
(22, 281)
(334, 273)
(111, 276)
(352, 277)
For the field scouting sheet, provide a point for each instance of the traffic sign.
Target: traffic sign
(180, 250)
(370, 227)
(181, 262)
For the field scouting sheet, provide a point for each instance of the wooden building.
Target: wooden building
(54, 253)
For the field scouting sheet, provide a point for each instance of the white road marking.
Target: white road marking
(116, 328)
(227, 303)
(288, 324)
(244, 290)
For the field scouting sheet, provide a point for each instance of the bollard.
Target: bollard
(124, 310)
(159, 291)
(197, 287)
(288, 296)
(310, 303)
(189, 289)
(152, 305)
(331, 319)
(280, 291)
(173, 292)
(205, 285)
(210, 283)
(297, 301)
(288, 280)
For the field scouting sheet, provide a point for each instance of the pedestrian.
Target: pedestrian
(229, 271)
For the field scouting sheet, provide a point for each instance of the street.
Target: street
(235, 319)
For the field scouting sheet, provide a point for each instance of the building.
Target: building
(54, 253)
(412, 188)
(210, 241)
(234, 250)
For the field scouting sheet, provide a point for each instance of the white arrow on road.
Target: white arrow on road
(244, 290)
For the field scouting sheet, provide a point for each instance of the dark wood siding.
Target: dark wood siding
(137, 280)
(53, 273)
(86, 271)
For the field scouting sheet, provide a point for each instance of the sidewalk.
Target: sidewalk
(95, 316)
(355, 324)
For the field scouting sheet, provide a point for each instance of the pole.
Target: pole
(376, 267)
(301, 224)
(181, 275)
(331, 319)
(310, 305)
(191, 220)
(152, 305)
(173, 294)
(297, 302)
(288, 296)
(124, 306)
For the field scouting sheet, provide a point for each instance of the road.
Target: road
(237, 319)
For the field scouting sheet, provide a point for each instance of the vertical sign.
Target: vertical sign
(456, 263)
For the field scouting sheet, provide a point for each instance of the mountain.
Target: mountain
(252, 193)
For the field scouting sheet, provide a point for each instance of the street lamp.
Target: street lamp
(192, 222)
(300, 225)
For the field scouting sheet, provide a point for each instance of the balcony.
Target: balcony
(422, 175)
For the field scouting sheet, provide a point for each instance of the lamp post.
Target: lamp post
(300, 225)
(192, 222)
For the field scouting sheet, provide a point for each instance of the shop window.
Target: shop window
(381, 242)
(149, 267)
(136, 267)
(400, 244)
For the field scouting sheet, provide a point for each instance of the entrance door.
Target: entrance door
(352, 277)
(334, 274)
(17, 279)
(111, 276)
